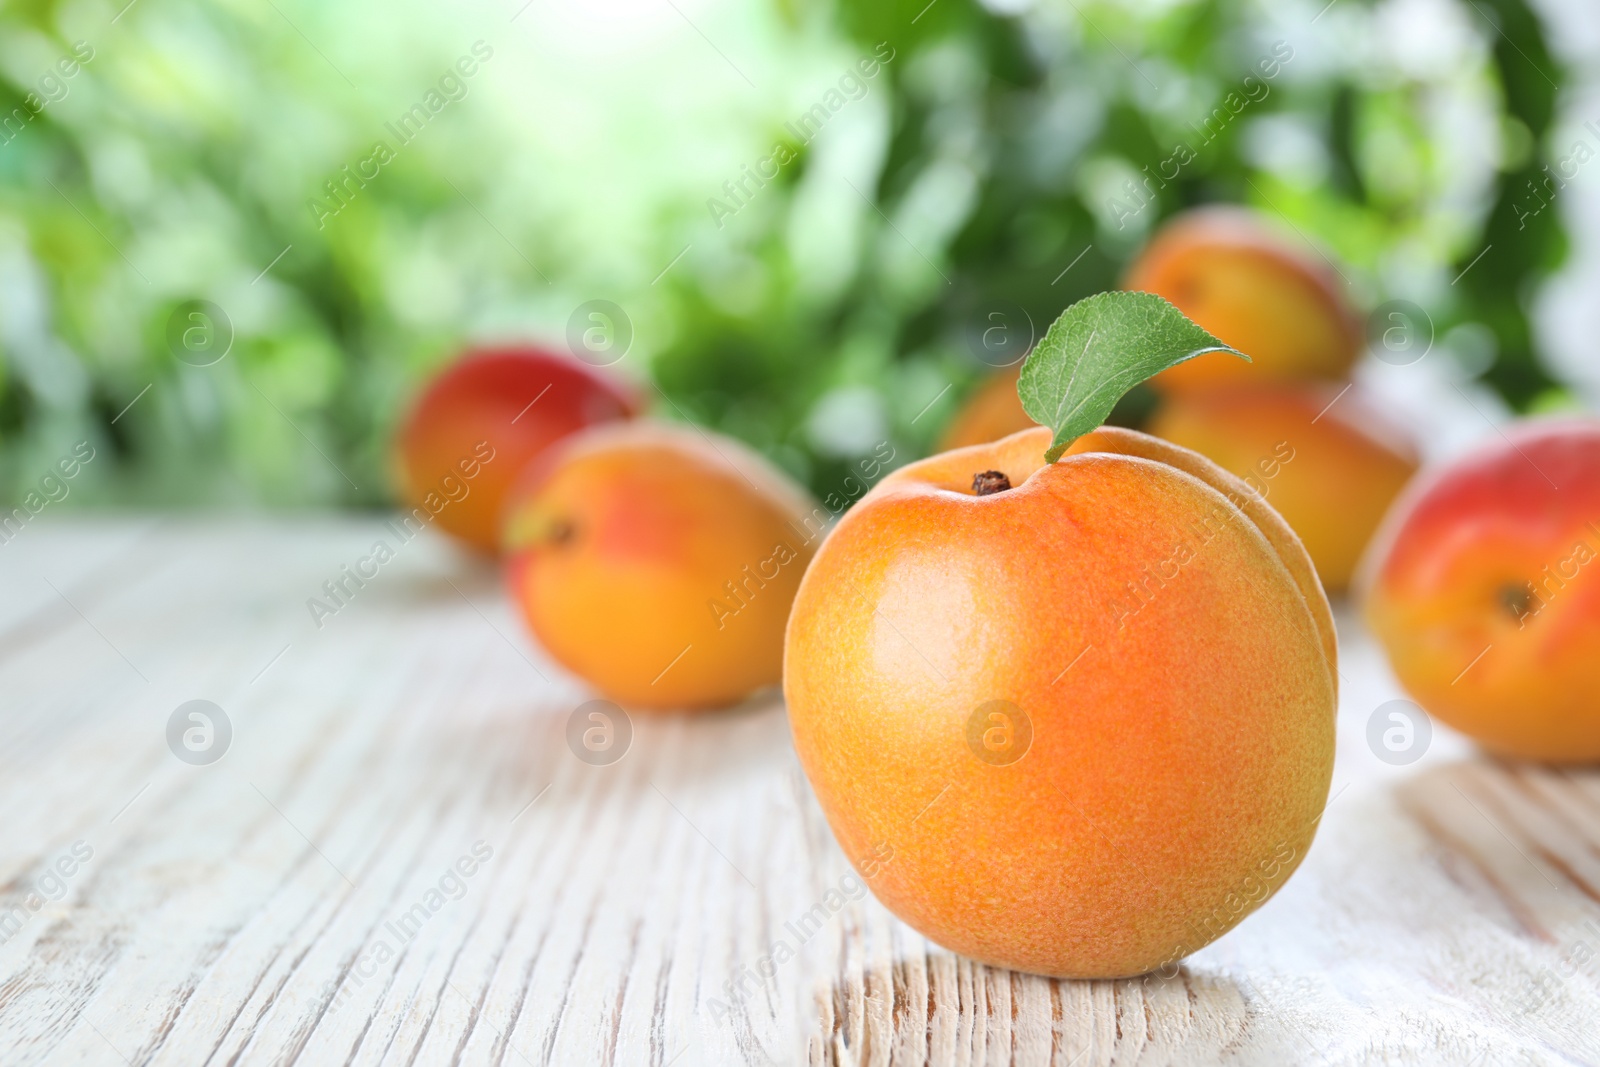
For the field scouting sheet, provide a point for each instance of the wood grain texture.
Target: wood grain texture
(631, 914)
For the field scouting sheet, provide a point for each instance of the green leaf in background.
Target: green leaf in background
(1096, 351)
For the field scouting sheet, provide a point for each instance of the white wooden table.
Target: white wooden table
(232, 913)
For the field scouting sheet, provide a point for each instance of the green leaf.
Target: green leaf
(1096, 351)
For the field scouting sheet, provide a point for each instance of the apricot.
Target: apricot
(1484, 587)
(1233, 275)
(478, 423)
(659, 563)
(1331, 472)
(992, 412)
(1075, 718)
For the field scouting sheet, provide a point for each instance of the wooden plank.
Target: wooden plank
(633, 913)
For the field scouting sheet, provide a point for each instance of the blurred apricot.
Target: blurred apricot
(1330, 464)
(1484, 587)
(991, 412)
(1230, 272)
(478, 423)
(659, 562)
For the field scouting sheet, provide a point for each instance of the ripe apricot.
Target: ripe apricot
(1080, 724)
(490, 413)
(1235, 277)
(990, 413)
(1330, 471)
(659, 563)
(1484, 586)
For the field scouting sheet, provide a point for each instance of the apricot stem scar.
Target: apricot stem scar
(986, 482)
(1517, 599)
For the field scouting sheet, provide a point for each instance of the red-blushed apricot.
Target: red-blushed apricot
(992, 412)
(1073, 718)
(659, 562)
(478, 423)
(1237, 278)
(1330, 464)
(1484, 586)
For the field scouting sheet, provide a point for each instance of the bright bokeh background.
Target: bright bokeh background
(838, 309)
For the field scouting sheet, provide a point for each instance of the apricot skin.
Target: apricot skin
(659, 563)
(1226, 270)
(485, 397)
(1331, 472)
(1181, 750)
(1484, 587)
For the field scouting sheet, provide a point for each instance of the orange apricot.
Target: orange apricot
(659, 562)
(1075, 718)
(1330, 464)
(1237, 278)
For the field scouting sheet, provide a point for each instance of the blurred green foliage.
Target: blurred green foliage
(987, 173)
